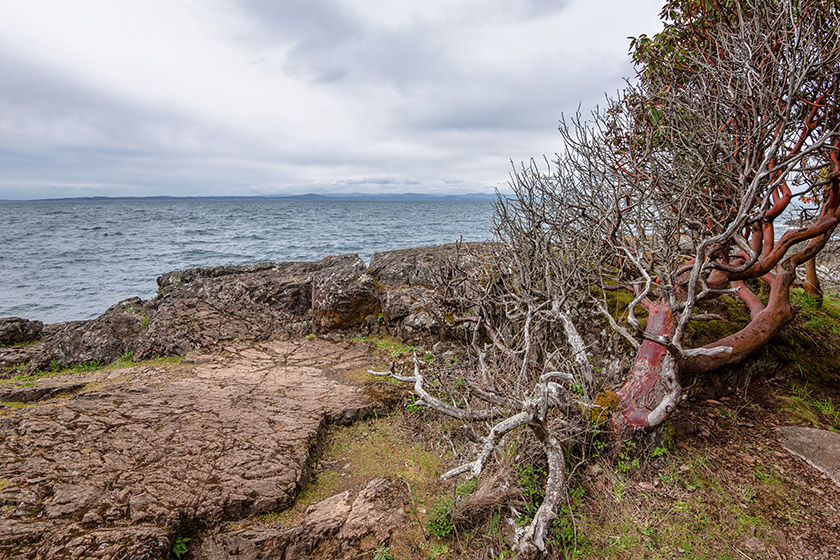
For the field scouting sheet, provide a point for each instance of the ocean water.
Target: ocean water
(64, 260)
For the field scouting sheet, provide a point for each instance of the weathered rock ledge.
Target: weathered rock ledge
(124, 460)
(201, 307)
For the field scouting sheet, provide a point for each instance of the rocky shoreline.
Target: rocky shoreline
(121, 462)
(201, 307)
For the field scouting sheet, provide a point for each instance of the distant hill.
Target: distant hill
(387, 196)
(397, 197)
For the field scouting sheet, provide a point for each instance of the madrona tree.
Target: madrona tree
(676, 193)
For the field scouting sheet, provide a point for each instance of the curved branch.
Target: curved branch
(434, 403)
(532, 543)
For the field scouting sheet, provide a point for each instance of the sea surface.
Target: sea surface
(63, 260)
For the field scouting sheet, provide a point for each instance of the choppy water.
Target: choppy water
(70, 259)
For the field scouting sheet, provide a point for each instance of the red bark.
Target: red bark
(643, 390)
(812, 281)
(755, 335)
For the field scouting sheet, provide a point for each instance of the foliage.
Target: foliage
(804, 405)
(627, 460)
(386, 343)
(413, 406)
(180, 546)
(531, 481)
(440, 522)
(55, 369)
(382, 552)
(672, 194)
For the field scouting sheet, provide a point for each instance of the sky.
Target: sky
(256, 97)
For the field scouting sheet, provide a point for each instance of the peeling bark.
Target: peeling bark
(651, 375)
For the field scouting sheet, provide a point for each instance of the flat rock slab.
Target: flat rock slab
(818, 448)
(114, 470)
(377, 511)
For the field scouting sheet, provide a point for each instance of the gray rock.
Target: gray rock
(378, 510)
(818, 448)
(104, 339)
(14, 330)
(201, 307)
(410, 281)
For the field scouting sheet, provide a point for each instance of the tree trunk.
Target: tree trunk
(645, 388)
(812, 281)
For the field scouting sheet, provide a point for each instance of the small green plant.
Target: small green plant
(428, 357)
(563, 532)
(598, 443)
(390, 344)
(626, 460)
(179, 547)
(380, 318)
(310, 336)
(659, 451)
(382, 552)
(128, 357)
(531, 481)
(92, 365)
(413, 405)
(467, 487)
(803, 406)
(436, 550)
(360, 338)
(440, 519)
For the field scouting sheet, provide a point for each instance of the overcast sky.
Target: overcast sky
(243, 97)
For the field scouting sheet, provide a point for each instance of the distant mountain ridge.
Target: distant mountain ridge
(386, 196)
(396, 197)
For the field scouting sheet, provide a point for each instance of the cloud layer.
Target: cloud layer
(239, 97)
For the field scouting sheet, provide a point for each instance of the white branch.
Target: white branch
(555, 490)
(590, 385)
(618, 328)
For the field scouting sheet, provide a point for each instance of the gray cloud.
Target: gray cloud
(259, 96)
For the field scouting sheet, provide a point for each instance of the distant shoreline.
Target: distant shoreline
(356, 197)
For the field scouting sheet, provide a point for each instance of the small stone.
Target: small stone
(818, 448)
(780, 539)
(754, 545)
(594, 470)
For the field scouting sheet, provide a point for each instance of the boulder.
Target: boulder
(199, 307)
(413, 285)
(818, 448)
(14, 330)
(104, 339)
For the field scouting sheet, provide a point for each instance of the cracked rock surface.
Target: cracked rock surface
(377, 510)
(112, 464)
